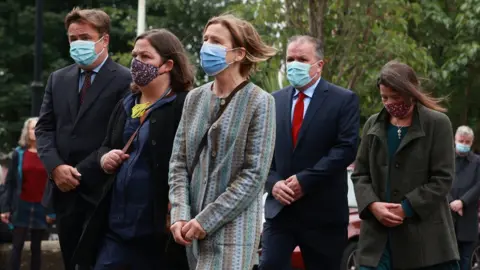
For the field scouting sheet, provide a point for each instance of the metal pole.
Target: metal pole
(141, 17)
(37, 84)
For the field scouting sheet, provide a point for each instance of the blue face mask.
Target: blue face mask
(298, 74)
(462, 148)
(83, 52)
(213, 58)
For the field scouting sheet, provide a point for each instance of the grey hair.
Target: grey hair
(465, 131)
(315, 41)
(24, 140)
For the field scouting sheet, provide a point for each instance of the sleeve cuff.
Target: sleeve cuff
(178, 214)
(407, 208)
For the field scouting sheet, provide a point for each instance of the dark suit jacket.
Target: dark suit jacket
(163, 126)
(466, 187)
(327, 144)
(68, 134)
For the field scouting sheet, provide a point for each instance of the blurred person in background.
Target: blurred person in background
(403, 172)
(21, 205)
(77, 105)
(464, 195)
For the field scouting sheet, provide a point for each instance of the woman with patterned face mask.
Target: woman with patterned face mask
(403, 173)
(127, 230)
(223, 151)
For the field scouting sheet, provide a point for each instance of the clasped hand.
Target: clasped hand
(112, 160)
(389, 214)
(287, 191)
(66, 177)
(185, 232)
(457, 207)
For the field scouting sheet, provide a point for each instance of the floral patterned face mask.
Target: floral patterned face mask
(143, 73)
(398, 109)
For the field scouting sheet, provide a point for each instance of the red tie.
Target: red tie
(297, 117)
(86, 84)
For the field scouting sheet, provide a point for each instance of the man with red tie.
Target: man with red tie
(317, 133)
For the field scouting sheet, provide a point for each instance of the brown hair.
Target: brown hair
(95, 17)
(169, 47)
(401, 78)
(244, 35)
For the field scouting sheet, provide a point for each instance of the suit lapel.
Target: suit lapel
(287, 115)
(321, 92)
(70, 82)
(102, 79)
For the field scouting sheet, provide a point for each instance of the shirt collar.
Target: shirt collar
(309, 91)
(97, 69)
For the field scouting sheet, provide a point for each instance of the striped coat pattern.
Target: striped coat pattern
(225, 192)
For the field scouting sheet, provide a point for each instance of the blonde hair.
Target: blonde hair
(24, 140)
(95, 17)
(244, 35)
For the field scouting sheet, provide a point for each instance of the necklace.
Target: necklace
(399, 130)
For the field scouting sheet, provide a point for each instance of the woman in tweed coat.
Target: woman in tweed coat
(217, 212)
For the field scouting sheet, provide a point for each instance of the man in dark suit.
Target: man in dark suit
(73, 121)
(317, 132)
(464, 195)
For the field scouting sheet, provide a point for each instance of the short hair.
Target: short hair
(464, 131)
(94, 17)
(246, 36)
(314, 41)
(24, 140)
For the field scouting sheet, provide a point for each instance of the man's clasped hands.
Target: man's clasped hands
(287, 191)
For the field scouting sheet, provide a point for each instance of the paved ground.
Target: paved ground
(51, 259)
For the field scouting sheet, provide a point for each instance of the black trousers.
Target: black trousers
(18, 239)
(70, 228)
(466, 250)
(322, 247)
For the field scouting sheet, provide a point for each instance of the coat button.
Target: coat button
(395, 193)
(214, 154)
(154, 142)
(214, 127)
(153, 121)
(222, 102)
(397, 165)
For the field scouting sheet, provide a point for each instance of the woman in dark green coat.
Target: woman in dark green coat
(403, 173)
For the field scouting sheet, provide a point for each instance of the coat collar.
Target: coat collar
(415, 131)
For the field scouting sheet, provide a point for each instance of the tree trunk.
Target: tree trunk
(316, 16)
(467, 105)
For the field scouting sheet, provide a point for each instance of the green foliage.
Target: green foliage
(439, 39)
